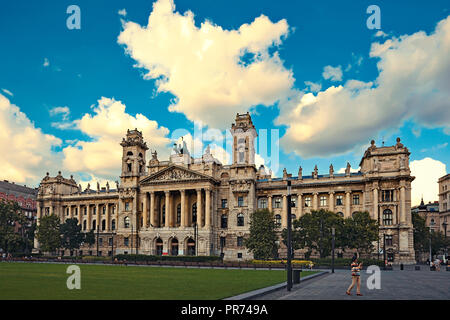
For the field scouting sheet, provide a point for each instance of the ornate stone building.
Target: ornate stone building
(444, 204)
(188, 206)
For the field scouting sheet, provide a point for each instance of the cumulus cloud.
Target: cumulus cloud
(313, 87)
(427, 172)
(27, 151)
(332, 73)
(107, 126)
(122, 12)
(213, 73)
(412, 84)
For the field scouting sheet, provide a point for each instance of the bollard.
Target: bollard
(296, 275)
(417, 268)
(401, 266)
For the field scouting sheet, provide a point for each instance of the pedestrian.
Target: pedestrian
(437, 263)
(356, 279)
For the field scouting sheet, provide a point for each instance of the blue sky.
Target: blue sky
(44, 65)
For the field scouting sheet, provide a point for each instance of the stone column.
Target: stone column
(315, 201)
(363, 200)
(270, 203)
(207, 208)
(375, 204)
(285, 212)
(144, 211)
(300, 205)
(183, 208)
(331, 201)
(199, 208)
(347, 204)
(167, 205)
(152, 208)
(39, 214)
(79, 216)
(108, 217)
(89, 218)
(99, 217)
(402, 205)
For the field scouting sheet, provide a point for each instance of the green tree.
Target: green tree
(421, 234)
(263, 235)
(71, 235)
(312, 231)
(11, 217)
(360, 232)
(89, 238)
(48, 233)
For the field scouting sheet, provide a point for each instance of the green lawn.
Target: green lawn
(48, 281)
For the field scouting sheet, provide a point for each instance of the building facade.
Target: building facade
(23, 195)
(198, 206)
(444, 204)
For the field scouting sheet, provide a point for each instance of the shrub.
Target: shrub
(143, 257)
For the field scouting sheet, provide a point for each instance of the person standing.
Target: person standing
(356, 279)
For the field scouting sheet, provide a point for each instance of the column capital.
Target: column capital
(348, 191)
(331, 192)
(182, 191)
(166, 192)
(198, 189)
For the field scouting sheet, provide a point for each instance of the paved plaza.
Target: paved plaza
(395, 285)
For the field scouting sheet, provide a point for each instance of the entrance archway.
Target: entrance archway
(190, 244)
(159, 247)
(174, 247)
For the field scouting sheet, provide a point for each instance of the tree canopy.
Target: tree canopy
(263, 235)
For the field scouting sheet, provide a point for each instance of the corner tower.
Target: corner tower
(133, 157)
(244, 134)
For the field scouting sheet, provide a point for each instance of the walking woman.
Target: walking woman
(356, 269)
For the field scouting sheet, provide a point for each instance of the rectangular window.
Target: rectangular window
(323, 201)
(339, 200)
(127, 206)
(224, 203)
(223, 242)
(239, 255)
(240, 201)
(104, 210)
(277, 202)
(110, 241)
(387, 195)
(356, 199)
(240, 241)
(67, 211)
(100, 241)
(262, 203)
(388, 240)
(125, 242)
(293, 201)
(307, 201)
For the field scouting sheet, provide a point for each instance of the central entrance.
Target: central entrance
(174, 247)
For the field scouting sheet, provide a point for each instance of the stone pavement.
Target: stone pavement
(395, 285)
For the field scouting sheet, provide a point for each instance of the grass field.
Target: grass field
(48, 281)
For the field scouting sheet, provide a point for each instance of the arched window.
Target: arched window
(240, 220)
(278, 220)
(194, 212)
(126, 222)
(293, 216)
(113, 224)
(84, 225)
(103, 225)
(341, 214)
(387, 217)
(129, 167)
(94, 224)
(224, 221)
(179, 214)
(129, 153)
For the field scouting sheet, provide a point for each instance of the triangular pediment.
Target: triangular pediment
(175, 173)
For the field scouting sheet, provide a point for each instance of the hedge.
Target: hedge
(346, 262)
(143, 257)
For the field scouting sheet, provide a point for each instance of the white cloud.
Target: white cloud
(219, 73)
(7, 92)
(414, 73)
(332, 73)
(435, 148)
(46, 62)
(313, 87)
(342, 170)
(63, 111)
(26, 150)
(427, 172)
(380, 33)
(122, 12)
(109, 124)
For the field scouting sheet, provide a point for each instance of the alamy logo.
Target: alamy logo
(374, 20)
(74, 281)
(374, 281)
(74, 20)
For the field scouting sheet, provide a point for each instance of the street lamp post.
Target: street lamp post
(431, 256)
(289, 238)
(196, 237)
(384, 251)
(332, 248)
